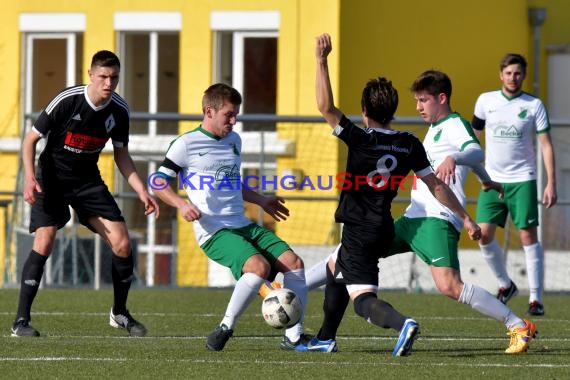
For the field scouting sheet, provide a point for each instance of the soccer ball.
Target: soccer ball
(281, 308)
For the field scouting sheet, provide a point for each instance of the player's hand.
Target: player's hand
(492, 185)
(323, 46)
(274, 206)
(150, 204)
(446, 170)
(190, 212)
(472, 229)
(549, 198)
(31, 186)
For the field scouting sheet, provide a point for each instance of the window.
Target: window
(149, 76)
(149, 49)
(52, 51)
(245, 57)
(245, 45)
(52, 56)
(248, 62)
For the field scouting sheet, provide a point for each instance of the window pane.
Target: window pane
(223, 58)
(168, 81)
(79, 68)
(135, 74)
(257, 70)
(260, 80)
(49, 70)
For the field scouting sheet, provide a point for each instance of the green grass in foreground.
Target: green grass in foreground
(455, 341)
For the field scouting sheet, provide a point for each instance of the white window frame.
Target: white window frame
(238, 38)
(28, 51)
(38, 26)
(47, 26)
(151, 23)
(246, 24)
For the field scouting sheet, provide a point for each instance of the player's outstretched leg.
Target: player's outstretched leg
(267, 286)
(408, 335)
(521, 337)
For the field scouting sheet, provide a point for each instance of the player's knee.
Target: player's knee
(122, 247)
(449, 289)
(289, 260)
(44, 240)
(297, 262)
(258, 265)
(44, 248)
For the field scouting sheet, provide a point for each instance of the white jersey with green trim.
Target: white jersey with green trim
(209, 168)
(448, 136)
(510, 128)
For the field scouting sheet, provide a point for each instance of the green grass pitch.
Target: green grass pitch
(455, 342)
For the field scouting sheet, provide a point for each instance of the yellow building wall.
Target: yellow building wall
(397, 40)
(554, 31)
(99, 34)
(371, 38)
(316, 151)
(402, 39)
(9, 121)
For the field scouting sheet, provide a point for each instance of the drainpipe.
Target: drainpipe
(536, 17)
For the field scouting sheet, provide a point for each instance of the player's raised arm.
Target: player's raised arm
(325, 100)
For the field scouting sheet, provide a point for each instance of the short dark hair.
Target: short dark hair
(513, 59)
(217, 94)
(434, 82)
(105, 58)
(379, 100)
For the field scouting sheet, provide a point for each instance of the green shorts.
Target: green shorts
(231, 247)
(519, 201)
(433, 240)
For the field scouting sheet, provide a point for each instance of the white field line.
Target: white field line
(340, 338)
(284, 362)
(208, 315)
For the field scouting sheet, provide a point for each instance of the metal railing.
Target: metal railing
(149, 248)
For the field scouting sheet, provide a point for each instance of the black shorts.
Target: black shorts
(87, 199)
(361, 247)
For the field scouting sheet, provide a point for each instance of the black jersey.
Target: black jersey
(77, 132)
(378, 162)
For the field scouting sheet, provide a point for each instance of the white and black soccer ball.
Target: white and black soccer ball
(281, 308)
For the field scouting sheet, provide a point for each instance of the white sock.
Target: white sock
(245, 291)
(484, 302)
(495, 258)
(534, 255)
(317, 274)
(295, 280)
